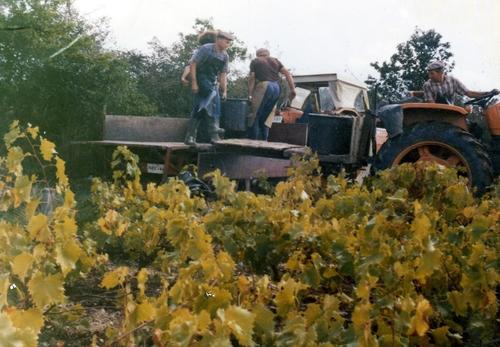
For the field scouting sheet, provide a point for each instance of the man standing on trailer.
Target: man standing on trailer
(208, 69)
(264, 91)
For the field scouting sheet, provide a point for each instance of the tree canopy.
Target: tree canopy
(406, 69)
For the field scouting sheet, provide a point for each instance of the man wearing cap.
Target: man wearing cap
(443, 88)
(264, 91)
(208, 68)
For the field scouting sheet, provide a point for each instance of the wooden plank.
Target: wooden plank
(295, 134)
(255, 144)
(242, 166)
(162, 145)
(144, 129)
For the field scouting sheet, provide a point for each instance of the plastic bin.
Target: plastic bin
(330, 134)
(234, 114)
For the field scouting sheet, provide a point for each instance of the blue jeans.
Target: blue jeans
(259, 131)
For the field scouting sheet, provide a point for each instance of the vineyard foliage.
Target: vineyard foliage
(409, 258)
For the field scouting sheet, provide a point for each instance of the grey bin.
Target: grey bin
(234, 114)
(329, 134)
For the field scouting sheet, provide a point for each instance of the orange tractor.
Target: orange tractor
(446, 134)
(451, 136)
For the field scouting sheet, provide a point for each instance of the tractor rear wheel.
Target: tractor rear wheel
(441, 143)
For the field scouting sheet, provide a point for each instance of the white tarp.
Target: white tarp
(348, 95)
(300, 98)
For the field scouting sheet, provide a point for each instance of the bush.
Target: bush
(411, 258)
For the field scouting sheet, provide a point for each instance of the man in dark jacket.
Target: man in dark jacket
(264, 91)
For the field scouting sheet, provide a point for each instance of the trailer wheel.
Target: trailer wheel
(441, 143)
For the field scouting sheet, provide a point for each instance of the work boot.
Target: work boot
(220, 131)
(192, 130)
(213, 130)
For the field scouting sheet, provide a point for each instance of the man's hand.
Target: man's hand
(293, 94)
(194, 88)
(184, 82)
(224, 95)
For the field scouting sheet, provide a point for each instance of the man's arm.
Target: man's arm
(474, 95)
(185, 75)
(194, 81)
(289, 79)
(251, 84)
(223, 84)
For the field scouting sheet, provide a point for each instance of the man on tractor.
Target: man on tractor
(442, 88)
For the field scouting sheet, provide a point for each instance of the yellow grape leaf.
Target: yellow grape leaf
(212, 299)
(46, 290)
(67, 254)
(428, 263)
(21, 264)
(47, 148)
(4, 289)
(30, 208)
(182, 327)
(15, 156)
(142, 278)
(143, 312)
(312, 313)
(458, 302)
(61, 172)
(421, 227)
(401, 269)
(33, 131)
(243, 285)
(361, 316)
(39, 251)
(12, 337)
(37, 227)
(30, 319)
(419, 322)
(285, 299)
(66, 230)
(240, 321)
(113, 278)
(469, 212)
(264, 319)
(440, 336)
(226, 265)
(69, 198)
(204, 321)
(22, 190)
(13, 134)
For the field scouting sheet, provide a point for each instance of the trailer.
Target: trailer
(332, 121)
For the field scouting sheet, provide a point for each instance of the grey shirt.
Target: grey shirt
(448, 88)
(203, 54)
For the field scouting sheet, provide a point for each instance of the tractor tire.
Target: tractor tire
(442, 143)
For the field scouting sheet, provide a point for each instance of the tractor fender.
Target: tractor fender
(426, 112)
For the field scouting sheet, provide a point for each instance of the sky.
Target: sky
(319, 36)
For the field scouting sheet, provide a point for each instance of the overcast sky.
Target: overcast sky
(320, 36)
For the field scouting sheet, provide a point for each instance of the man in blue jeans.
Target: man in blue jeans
(208, 70)
(264, 91)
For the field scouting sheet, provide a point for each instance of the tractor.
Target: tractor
(467, 138)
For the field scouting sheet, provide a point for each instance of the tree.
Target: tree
(56, 73)
(406, 69)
